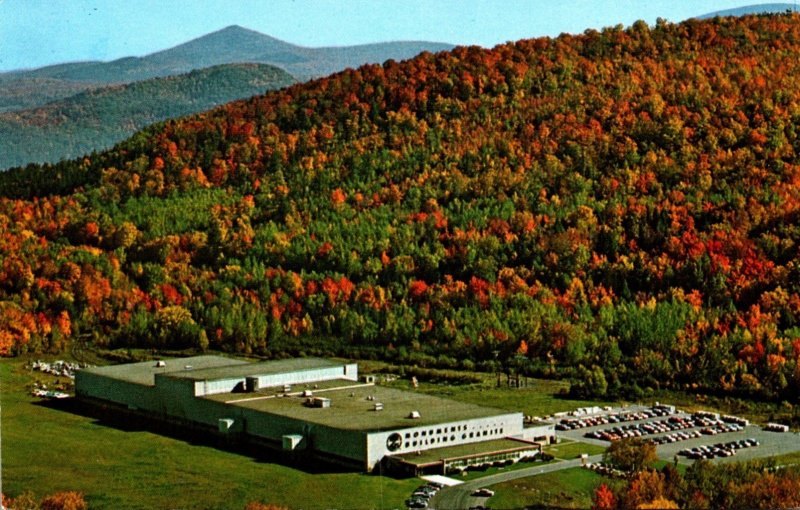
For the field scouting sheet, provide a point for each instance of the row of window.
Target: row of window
(444, 439)
(439, 431)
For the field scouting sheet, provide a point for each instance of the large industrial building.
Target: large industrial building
(312, 408)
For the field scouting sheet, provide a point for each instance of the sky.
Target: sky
(34, 33)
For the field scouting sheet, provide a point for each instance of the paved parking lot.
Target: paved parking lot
(771, 443)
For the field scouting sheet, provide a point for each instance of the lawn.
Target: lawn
(539, 398)
(572, 449)
(46, 450)
(570, 488)
(474, 474)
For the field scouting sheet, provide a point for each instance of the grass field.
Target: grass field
(570, 488)
(541, 397)
(46, 450)
(472, 475)
(572, 449)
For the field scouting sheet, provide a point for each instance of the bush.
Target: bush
(69, 500)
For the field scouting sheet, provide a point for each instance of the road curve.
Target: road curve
(458, 497)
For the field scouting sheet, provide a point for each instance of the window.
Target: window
(423, 433)
(464, 435)
(408, 435)
(406, 445)
(416, 434)
(438, 431)
(452, 429)
(471, 434)
(452, 438)
(414, 443)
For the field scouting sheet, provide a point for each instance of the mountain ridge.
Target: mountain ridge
(96, 119)
(232, 44)
(746, 10)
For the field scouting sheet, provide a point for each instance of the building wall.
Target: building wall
(308, 376)
(445, 434)
(538, 433)
(349, 371)
(347, 444)
(132, 395)
(177, 400)
(218, 386)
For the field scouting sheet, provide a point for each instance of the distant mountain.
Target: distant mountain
(752, 9)
(234, 44)
(97, 119)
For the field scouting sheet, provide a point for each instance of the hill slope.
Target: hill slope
(97, 119)
(234, 44)
(620, 207)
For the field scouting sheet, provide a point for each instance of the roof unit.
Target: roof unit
(378, 406)
(251, 384)
(292, 441)
(321, 402)
(225, 424)
(414, 415)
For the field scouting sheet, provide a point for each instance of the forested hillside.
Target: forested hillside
(620, 207)
(97, 119)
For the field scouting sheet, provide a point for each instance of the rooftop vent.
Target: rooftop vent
(414, 415)
(251, 384)
(318, 402)
(378, 406)
(188, 367)
(307, 393)
(161, 364)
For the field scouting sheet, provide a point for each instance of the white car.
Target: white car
(483, 493)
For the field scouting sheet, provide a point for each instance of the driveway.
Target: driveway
(459, 497)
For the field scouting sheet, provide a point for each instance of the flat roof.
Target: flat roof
(254, 369)
(144, 372)
(350, 409)
(436, 455)
(295, 389)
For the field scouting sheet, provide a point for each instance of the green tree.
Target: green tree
(630, 454)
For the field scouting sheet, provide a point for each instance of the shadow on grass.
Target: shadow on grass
(128, 421)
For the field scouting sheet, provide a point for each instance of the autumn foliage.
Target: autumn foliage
(746, 485)
(255, 505)
(68, 500)
(603, 498)
(619, 207)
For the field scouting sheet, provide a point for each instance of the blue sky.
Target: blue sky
(34, 33)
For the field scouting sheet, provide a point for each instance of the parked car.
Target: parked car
(483, 493)
(416, 503)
